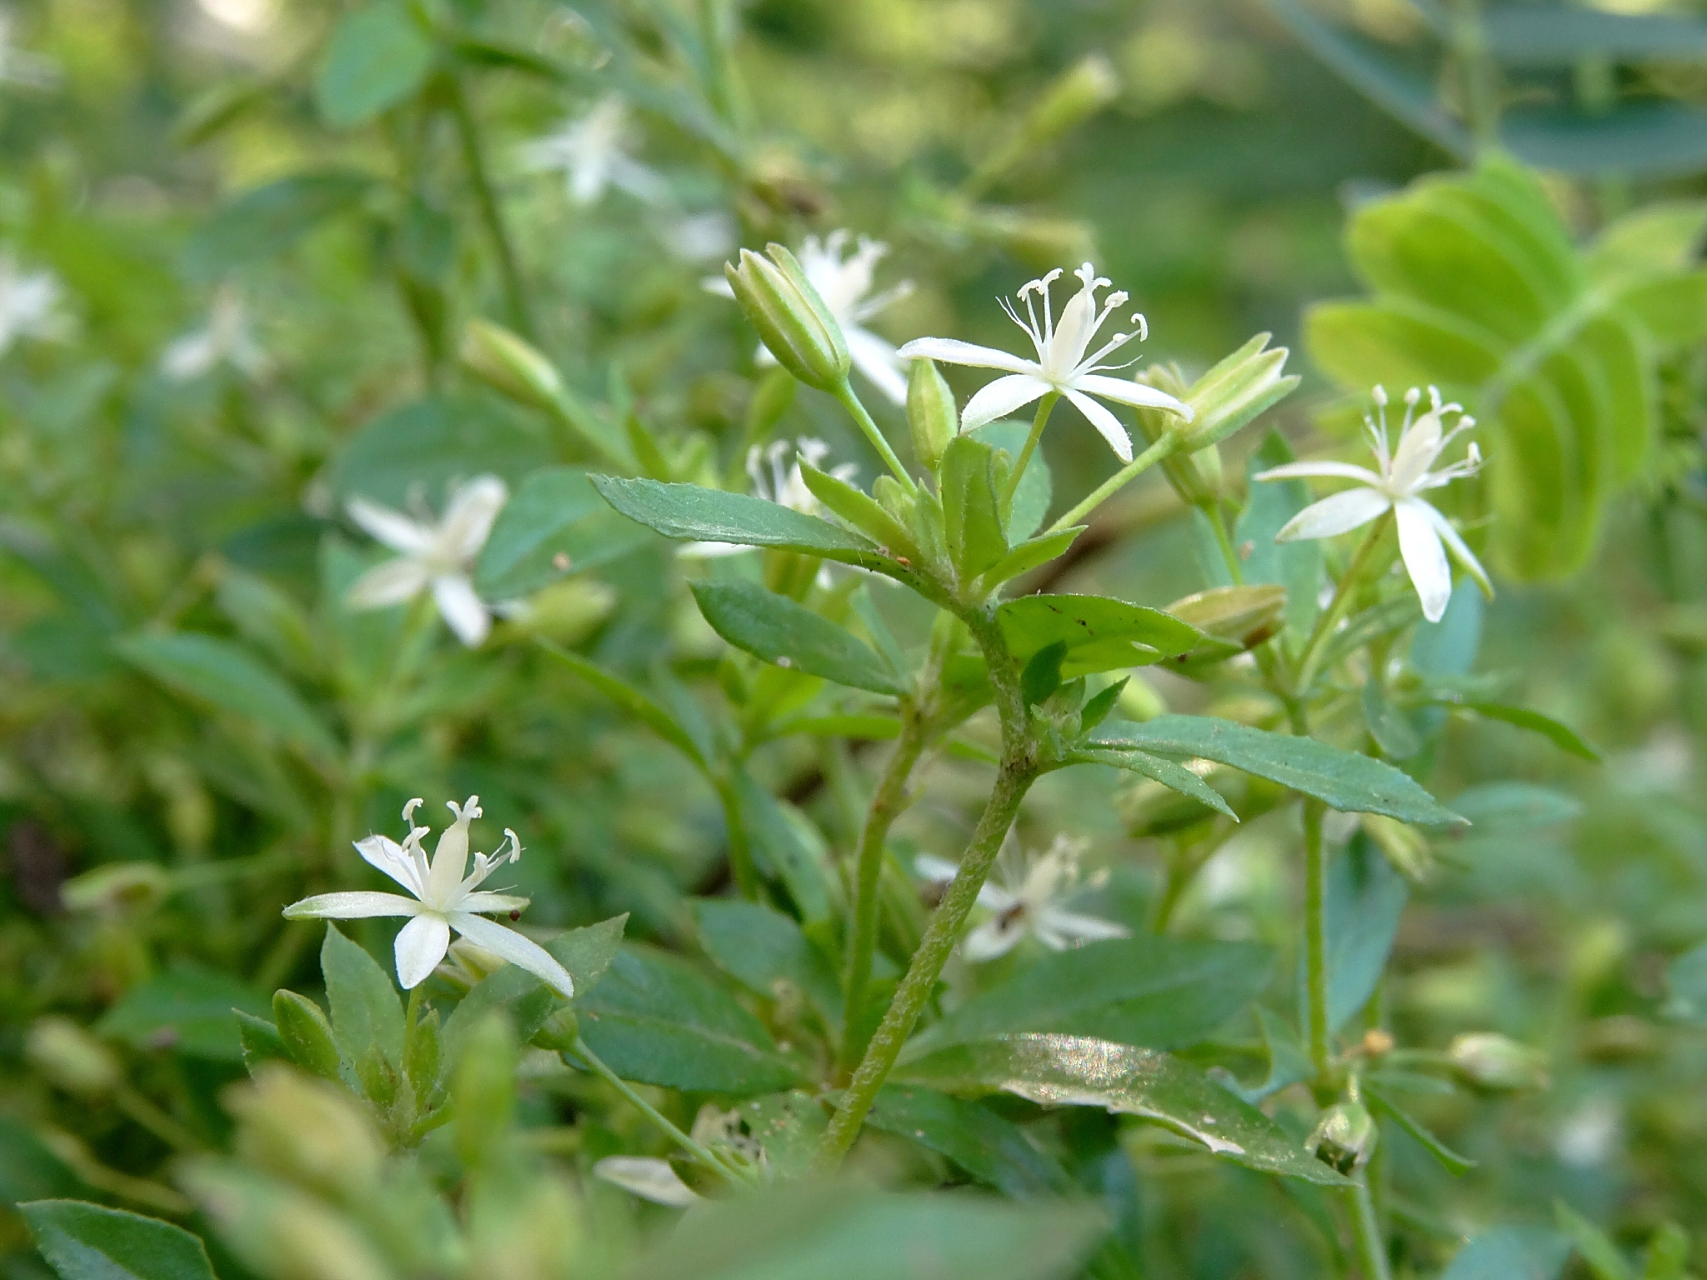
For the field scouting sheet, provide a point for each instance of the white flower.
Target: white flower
(1030, 902)
(1061, 366)
(30, 304)
(226, 338)
(591, 152)
(1403, 474)
(440, 556)
(21, 68)
(649, 1178)
(443, 899)
(784, 486)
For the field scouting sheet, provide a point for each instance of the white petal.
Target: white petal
(461, 609)
(396, 531)
(654, 1180)
(1000, 398)
(352, 906)
(421, 944)
(1081, 928)
(518, 950)
(189, 357)
(877, 360)
(1425, 558)
(1460, 550)
(1126, 391)
(1335, 515)
(1106, 423)
(712, 550)
(386, 854)
(387, 584)
(954, 351)
(1341, 470)
(468, 518)
(991, 939)
(934, 869)
(484, 901)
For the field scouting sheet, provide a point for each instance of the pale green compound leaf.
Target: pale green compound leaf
(780, 631)
(91, 1242)
(377, 56)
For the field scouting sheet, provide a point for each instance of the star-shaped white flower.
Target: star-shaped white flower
(1400, 477)
(443, 898)
(30, 304)
(783, 485)
(440, 556)
(1030, 900)
(226, 338)
(591, 151)
(1061, 366)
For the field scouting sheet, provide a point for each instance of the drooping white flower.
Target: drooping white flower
(591, 151)
(20, 67)
(778, 480)
(226, 338)
(1401, 476)
(1062, 365)
(31, 304)
(1029, 899)
(440, 556)
(442, 898)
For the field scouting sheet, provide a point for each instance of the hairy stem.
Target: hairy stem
(1366, 1231)
(486, 201)
(1118, 481)
(1024, 460)
(863, 420)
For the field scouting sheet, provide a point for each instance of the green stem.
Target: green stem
(698, 1151)
(1343, 593)
(1469, 44)
(1118, 481)
(154, 1119)
(1366, 1231)
(1024, 460)
(851, 402)
(741, 865)
(486, 201)
(1316, 938)
(1224, 540)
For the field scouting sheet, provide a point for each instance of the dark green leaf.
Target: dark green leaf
(988, 1147)
(555, 523)
(1365, 898)
(1340, 779)
(1158, 769)
(775, 628)
(377, 57)
(1511, 1253)
(233, 679)
(91, 1242)
(422, 449)
(1644, 139)
(759, 948)
(1030, 554)
(1042, 673)
(366, 1012)
(787, 847)
(1100, 634)
(262, 223)
(631, 700)
(188, 1010)
(1058, 1070)
(1161, 992)
(29, 1169)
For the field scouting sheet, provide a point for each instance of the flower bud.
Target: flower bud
(1078, 93)
(1492, 1063)
(306, 1034)
(1345, 1137)
(791, 318)
(1405, 848)
(306, 1131)
(1195, 476)
(510, 364)
(116, 888)
(279, 1232)
(71, 1058)
(931, 413)
(1247, 616)
(560, 1033)
(1237, 390)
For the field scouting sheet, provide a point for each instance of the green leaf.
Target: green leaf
(1174, 776)
(1387, 724)
(1161, 992)
(1365, 898)
(1599, 1254)
(788, 1126)
(1030, 554)
(1511, 1253)
(1042, 673)
(366, 1013)
(787, 847)
(189, 1010)
(1449, 1159)
(966, 482)
(1643, 139)
(835, 1231)
(1560, 735)
(1512, 808)
(759, 947)
(555, 523)
(778, 630)
(631, 700)
(377, 57)
(90, 1242)
(421, 449)
(1059, 1070)
(859, 509)
(260, 1041)
(231, 678)
(1340, 779)
(1036, 486)
(991, 1149)
(29, 1169)
(266, 221)
(1269, 504)
(1673, 311)
(657, 1020)
(1100, 634)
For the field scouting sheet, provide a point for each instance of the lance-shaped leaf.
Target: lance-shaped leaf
(758, 947)
(970, 508)
(1560, 735)
(710, 515)
(1341, 779)
(91, 1242)
(1100, 634)
(1058, 1070)
(775, 628)
(1171, 774)
(991, 1149)
(639, 705)
(556, 523)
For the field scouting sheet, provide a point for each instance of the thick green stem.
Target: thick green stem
(1344, 591)
(857, 411)
(1366, 1231)
(741, 865)
(1024, 460)
(1118, 481)
(1316, 938)
(486, 201)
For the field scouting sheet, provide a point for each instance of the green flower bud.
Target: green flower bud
(308, 1132)
(1492, 1063)
(1345, 1137)
(931, 413)
(1078, 93)
(71, 1058)
(1246, 616)
(1237, 390)
(117, 888)
(510, 364)
(560, 1032)
(306, 1034)
(791, 318)
(1195, 476)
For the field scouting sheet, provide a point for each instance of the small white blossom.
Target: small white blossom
(1401, 476)
(20, 67)
(443, 898)
(779, 483)
(31, 305)
(226, 339)
(440, 556)
(1061, 367)
(1030, 900)
(591, 151)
